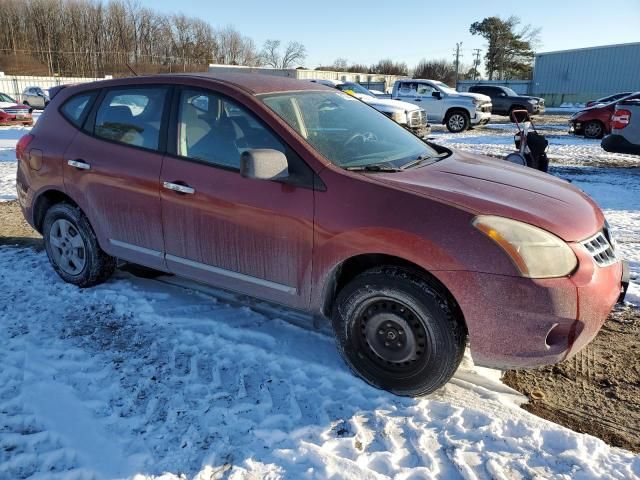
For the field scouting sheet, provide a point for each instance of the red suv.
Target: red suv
(300, 194)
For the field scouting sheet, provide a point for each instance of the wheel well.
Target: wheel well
(350, 268)
(44, 202)
(452, 110)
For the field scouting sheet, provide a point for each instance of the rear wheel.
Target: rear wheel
(73, 249)
(593, 129)
(457, 121)
(398, 331)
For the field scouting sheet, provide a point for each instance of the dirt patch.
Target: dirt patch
(597, 391)
(14, 230)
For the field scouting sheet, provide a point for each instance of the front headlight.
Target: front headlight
(533, 102)
(400, 117)
(476, 101)
(536, 253)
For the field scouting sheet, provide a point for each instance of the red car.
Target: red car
(12, 113)
(595, 122)
(300, 194)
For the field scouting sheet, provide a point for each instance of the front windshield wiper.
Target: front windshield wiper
(423, 158)
(372, 168)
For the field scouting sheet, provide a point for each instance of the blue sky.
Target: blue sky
(409, 30)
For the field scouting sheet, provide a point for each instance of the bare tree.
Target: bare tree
(441, 70)
(271, 53)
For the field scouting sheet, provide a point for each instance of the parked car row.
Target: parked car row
(595, 121)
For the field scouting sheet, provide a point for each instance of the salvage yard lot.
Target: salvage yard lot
(140, 376)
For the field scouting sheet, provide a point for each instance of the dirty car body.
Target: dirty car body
(307, 209)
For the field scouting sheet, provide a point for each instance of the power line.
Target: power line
(457, 56)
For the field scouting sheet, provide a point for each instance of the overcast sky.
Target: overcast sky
(409, 30)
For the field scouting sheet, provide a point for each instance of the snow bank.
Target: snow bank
(137, 378)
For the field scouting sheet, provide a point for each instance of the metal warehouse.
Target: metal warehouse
(586, 73)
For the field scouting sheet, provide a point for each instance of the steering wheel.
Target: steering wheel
(363, 137)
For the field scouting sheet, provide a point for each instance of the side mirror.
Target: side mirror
(437, 95)
(264, 164)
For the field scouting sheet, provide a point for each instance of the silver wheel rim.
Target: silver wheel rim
(67, 247)
(456, 122)
(592, 130)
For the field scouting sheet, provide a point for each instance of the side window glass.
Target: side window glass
(132, 116)
(74, 108)
(424, 90)
(408, 88)
(217, 131)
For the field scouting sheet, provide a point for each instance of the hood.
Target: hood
(13, 105)
(489, 186)
(385, 104)
(526, 98)
(477, 96)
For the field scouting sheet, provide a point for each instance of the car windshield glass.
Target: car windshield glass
(6, 98)
(445, 88)
(509, 92)
(346, 131)
(355, 88)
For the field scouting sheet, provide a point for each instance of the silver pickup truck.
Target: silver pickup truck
(443, 104)
(625, 129)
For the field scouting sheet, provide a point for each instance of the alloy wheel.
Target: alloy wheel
(456, 122)
(67, 247)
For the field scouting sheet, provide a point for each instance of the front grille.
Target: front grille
(16, 111)
(418, 118)
(486, 107)
(600, 249)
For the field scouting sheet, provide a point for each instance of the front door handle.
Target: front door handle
(177, 187)
(80, 164)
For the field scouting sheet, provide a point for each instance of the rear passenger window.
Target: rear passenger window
(132, 116)
(76, 107)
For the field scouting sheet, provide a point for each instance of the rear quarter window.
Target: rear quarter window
(76, 108)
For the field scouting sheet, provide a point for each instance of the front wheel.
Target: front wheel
(593, 129)
(457, 121)
(398, 331)
(73, 249)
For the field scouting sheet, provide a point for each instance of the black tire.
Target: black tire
(385, 304)
(94, 265)
(457, 121)
(593, 129)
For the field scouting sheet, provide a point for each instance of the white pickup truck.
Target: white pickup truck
(443, 104)
(412, 117)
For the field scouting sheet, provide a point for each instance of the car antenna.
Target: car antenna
(131, 69)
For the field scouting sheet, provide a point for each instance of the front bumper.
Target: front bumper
(9, 120)
(422, 131)
(481, 118)
(516, 322)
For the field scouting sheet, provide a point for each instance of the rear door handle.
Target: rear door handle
(80, 164)
(177, 187)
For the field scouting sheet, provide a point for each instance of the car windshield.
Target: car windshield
(509, 92)
(6, 98)
(348, 132)
(444, 87)
(355, 88)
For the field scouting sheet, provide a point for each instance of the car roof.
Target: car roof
(253, 83)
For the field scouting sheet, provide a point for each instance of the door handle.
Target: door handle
(79, 164)
(418, 100)
(176, 187)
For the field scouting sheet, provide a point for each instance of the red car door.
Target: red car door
(113, 168)
(250, 236)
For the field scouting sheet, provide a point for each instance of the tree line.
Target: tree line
(98, 37)
(94, 38)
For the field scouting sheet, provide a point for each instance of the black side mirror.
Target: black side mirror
(437, 95)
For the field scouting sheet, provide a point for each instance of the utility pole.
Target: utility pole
(457, 62)
(476, 63)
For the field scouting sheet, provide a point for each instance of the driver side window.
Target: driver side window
(215, 130)
(425, 90)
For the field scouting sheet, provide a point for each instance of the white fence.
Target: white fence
(14, 85)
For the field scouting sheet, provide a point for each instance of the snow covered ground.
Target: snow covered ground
(138, 377)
